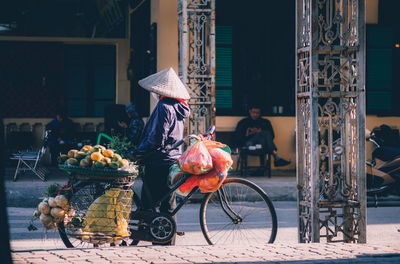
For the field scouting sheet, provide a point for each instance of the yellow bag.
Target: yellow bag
(109, 213)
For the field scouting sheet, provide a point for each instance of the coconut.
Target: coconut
(61, 201)
(58, 214)
(44, 208)
(46, 220)
(52, 202)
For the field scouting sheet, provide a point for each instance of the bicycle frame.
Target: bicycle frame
(221, 193)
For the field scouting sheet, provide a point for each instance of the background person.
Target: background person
(163, 129)
(60, 137)
(134, 128)
(255, 130)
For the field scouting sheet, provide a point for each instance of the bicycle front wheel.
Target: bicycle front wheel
(240, 212)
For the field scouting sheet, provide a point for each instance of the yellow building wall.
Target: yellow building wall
(165, 14)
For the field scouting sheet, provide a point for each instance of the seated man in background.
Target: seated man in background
(60, 137)
(255, 135)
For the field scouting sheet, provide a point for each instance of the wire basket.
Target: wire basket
(101, 204)
(101, 213)
(118, 177)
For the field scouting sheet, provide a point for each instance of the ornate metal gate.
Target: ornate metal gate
(330, 120)
(197, 60)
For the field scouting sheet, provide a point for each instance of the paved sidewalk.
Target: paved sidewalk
(269, 253)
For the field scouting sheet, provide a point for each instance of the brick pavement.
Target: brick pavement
(269, 253)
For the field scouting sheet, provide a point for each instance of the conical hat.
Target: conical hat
(165, 83)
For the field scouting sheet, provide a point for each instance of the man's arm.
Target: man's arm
(239, 137)
(268, 127)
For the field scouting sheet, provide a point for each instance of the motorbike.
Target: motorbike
(383, 170)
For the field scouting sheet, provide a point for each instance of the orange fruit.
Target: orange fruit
(87, 147)
(71, 153)
(96, 156)
(108, 153)
(107, 160)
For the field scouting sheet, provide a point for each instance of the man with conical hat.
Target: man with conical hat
(163, 129)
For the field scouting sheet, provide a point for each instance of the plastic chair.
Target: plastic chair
(30, 160)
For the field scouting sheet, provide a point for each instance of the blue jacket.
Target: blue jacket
(163, 129)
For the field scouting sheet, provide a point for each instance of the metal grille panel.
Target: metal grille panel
(197, 60)
(330, 120)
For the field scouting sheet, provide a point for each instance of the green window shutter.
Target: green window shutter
(379, 69)
(223, 69)
(223, 99)
(223, 35)
(379, 101)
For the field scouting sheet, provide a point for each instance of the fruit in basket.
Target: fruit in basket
(87, 148)
(99, 164)
(114, 165)
(107, 160)
(123, 163)
(84, 163)
(96, 149)
(62, 158)
(79, 155)
(71, 153)
(71, 161)
(108, 153)
(116, 157)
(96, 156)
(101, 147)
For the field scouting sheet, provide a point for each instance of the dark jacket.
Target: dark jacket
(241, 128)
(163, 129)
(136, 124)
(63, 130)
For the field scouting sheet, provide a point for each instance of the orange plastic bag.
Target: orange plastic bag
(196, 160)
(189, 184)
(221, 159)
(211, 144)
(211, 181)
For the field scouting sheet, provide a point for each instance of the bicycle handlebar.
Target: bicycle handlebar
(211, 131)
(180, 142)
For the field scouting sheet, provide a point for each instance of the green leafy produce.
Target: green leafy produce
(52, 190)
(121, 145)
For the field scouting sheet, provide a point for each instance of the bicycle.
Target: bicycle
(238, 212)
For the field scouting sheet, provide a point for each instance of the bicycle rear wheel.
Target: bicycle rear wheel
(84, 194)
(238, 213)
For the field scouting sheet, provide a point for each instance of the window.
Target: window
(223, 69)
(90, 79)
(379, 70)
(64, 18)
(255, 61)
